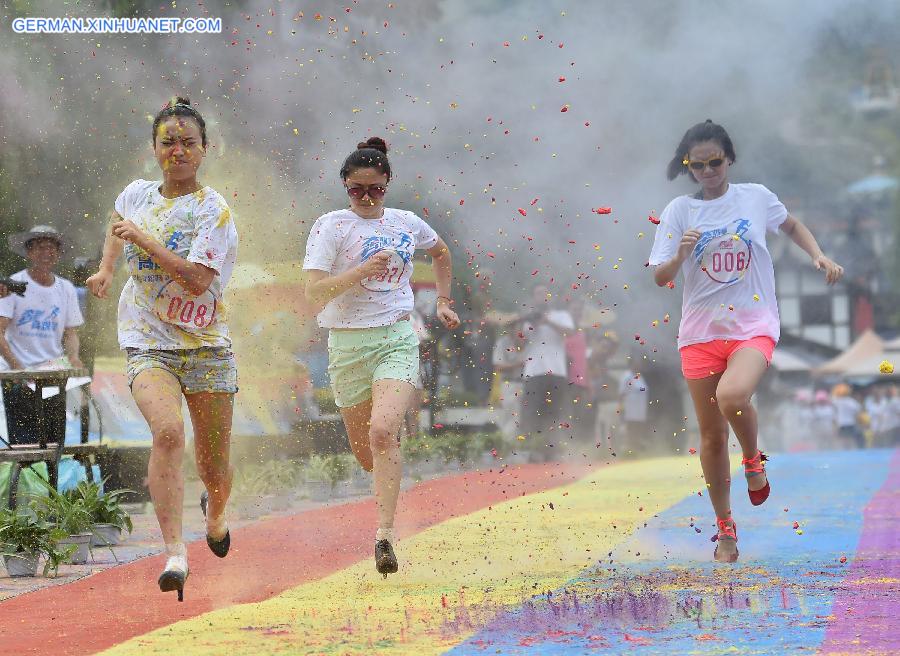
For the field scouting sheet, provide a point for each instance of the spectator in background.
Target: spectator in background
(876, 406)
(605, 386)
(542, 333)
(633, 406)
(507, 360)
(892, 417)
(38, 330)
(824, 419)
(847, 409)
(581, 411)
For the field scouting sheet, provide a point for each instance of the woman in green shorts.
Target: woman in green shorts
(180, 246)
(359, 263)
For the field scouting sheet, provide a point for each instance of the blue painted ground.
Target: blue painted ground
(661, 593)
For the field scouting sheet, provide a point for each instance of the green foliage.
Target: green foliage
(269, 477)
(316, 468)
(337, 467)
(66, 510)
(417, 448)
(28, 533)
(104, 508)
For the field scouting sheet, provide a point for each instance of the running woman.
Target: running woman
(730, 323)
(180, 246)
(359, 263)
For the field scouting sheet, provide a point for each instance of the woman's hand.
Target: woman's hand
(374, 266)
(99, 283)
(688, 242)
(833, 270)
(447, 316)
(128, 231)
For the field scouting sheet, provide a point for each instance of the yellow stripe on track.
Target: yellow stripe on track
(481, 563)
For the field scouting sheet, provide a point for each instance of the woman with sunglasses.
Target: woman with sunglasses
(730, 323)
(180, 246)
(359, 262)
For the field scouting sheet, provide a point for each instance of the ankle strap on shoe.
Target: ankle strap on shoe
(726, 528)
(754, 465)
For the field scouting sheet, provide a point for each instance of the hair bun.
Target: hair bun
(376, 143)
(177, 100)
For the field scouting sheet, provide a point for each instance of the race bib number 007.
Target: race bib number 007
(177, 306)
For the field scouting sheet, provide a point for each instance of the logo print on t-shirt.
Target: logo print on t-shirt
(725, 255)
(34, 319)
(401, 255)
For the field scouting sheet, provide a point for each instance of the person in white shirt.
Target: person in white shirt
(542, 334)
(180, 246)
(633, 404)
(847, 409)
(38, 330)
(359, 262)
(730, 324)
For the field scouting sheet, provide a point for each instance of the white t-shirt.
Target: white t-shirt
(154, 310)
(729, 280)
(846, 409)
(633, 391)
(38, 319)
(545, 347)
(342, 240)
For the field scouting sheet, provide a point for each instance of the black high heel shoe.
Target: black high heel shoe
(385, 560)
(219, 547)
(169, 581)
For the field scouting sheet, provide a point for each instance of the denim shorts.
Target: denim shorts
(358, 357)
(206, 369)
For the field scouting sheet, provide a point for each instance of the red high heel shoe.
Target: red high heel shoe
(727, 531)
(754, 467)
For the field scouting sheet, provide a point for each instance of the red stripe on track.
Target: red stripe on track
(267, 557)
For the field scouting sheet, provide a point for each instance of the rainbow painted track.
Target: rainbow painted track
(537, 559)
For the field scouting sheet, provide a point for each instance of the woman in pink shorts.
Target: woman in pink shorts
(729, 324)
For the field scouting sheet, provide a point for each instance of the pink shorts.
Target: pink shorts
(711, 358)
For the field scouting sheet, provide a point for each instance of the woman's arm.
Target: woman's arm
(802, 236)
(195, 278)
(99, 283)
(322, 287)
(443, 275)
(666, 272)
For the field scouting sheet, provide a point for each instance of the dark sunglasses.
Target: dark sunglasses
(373, 191)
(700, 164)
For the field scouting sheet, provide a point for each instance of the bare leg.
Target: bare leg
(390, 399)
(714, 454)
(211, 415)
(745, 369)
(357, 421)
(158, 396)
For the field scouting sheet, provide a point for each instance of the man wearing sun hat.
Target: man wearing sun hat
(39, 328)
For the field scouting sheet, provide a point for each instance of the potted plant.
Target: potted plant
(24, 537)
(68, 512)
(108, 516)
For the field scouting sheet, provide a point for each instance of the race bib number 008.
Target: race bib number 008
(177, 306)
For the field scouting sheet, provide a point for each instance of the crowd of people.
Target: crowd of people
(847, 416)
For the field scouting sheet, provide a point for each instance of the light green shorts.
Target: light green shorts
(358, 357)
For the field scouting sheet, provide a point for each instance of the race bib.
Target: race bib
(726, 259)
(177, 306)
(390, 280)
